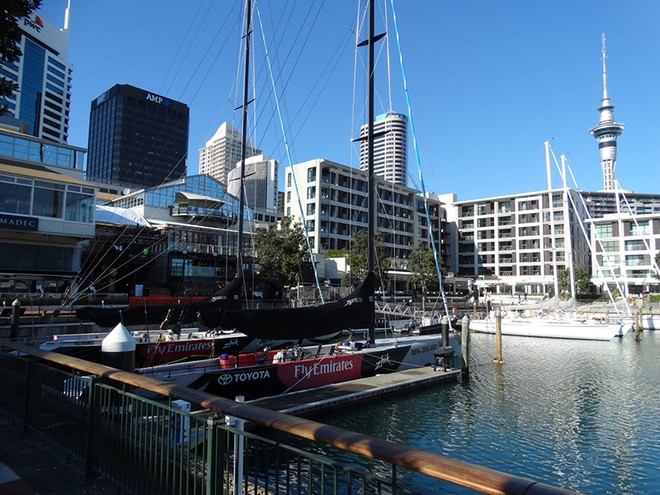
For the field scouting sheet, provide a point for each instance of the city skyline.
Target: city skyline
(497, 82)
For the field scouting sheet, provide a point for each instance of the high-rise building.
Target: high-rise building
(606, 133)
(390, 147)
(40, 106)
(223, 152)
(260, 183)
(137, 138)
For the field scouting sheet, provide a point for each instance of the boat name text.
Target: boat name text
(179, 347)
(426, 348)
(302, 370)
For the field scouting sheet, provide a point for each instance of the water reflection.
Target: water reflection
(580, 415)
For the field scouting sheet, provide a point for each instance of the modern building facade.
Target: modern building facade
(606, 133)
(625, 247)
(223, 152)
(184, 236)
(523, 240)
(331, 200)
(390, 147)
(137, 138)
(260, 187)
(46, 214)
(40, 107)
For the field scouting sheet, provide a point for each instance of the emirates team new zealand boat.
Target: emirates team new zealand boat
(268, 372)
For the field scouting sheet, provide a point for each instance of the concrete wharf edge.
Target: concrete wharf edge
(322, 399)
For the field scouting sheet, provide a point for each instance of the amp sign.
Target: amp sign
(158, 99)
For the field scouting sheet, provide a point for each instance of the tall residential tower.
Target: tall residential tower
(390, 147)
(606, 133)
(223, 152)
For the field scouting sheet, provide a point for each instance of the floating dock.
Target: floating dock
(322, 399)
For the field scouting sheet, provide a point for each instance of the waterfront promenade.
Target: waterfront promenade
(30, 465)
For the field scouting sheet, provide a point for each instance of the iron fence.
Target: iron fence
(101, 417)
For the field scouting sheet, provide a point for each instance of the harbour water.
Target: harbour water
(581, 415)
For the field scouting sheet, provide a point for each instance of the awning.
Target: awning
(198, 200)
(119, 216)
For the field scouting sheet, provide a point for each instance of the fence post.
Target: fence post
(26, 395)
(91, 435)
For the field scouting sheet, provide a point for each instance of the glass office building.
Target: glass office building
(137, 138)
(40, 106)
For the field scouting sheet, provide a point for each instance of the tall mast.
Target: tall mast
(371, 197)
(241, 196)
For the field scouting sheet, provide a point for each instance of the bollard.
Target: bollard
(15, 318)
(444, 328)
(498, 337)
(465, 344)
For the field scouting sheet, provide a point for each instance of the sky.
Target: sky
(488, 81)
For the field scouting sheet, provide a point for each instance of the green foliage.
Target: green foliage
(336, 253)
(358, 261)
(10, 39)
(424, 274)
(582, 281)
(282, 251)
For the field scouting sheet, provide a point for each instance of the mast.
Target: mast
(371, 184)
(568, 234)
(553, 249)
(241, 200)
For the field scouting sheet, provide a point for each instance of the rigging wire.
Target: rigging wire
(419, 166)
(288, 153)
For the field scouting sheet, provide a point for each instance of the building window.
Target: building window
(311, 174)
(15, 198)
(48, 200)
(311, 208)
(604, 231)
(311, 192)
(288, 179)
(640, 228)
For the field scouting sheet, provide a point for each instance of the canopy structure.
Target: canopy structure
(198, 200)
(119, 216)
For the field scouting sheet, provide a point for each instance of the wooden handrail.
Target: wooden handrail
(460, 473)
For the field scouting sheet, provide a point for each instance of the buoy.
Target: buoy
(118, 349)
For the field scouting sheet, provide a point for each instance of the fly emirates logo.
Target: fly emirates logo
(305, 371)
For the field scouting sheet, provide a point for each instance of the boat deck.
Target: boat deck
(319, 400)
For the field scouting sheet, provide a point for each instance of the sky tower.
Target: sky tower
(606, 132)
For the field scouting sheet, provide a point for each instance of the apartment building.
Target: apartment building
(625, 248)
(518, 242)
(331, 200)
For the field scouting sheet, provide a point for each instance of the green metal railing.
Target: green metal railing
(102, 418)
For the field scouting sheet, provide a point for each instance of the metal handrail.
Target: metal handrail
(460, 473)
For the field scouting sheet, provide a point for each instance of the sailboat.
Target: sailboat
(556, 324)
(269, 372)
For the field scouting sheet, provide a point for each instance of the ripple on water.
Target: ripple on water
(580, 415)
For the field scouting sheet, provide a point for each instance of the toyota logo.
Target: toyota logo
(224, 379)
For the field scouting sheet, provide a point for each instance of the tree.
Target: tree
(281, 251)
(582, 281)
(358, 261)
(10, 39)
(423, 272)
